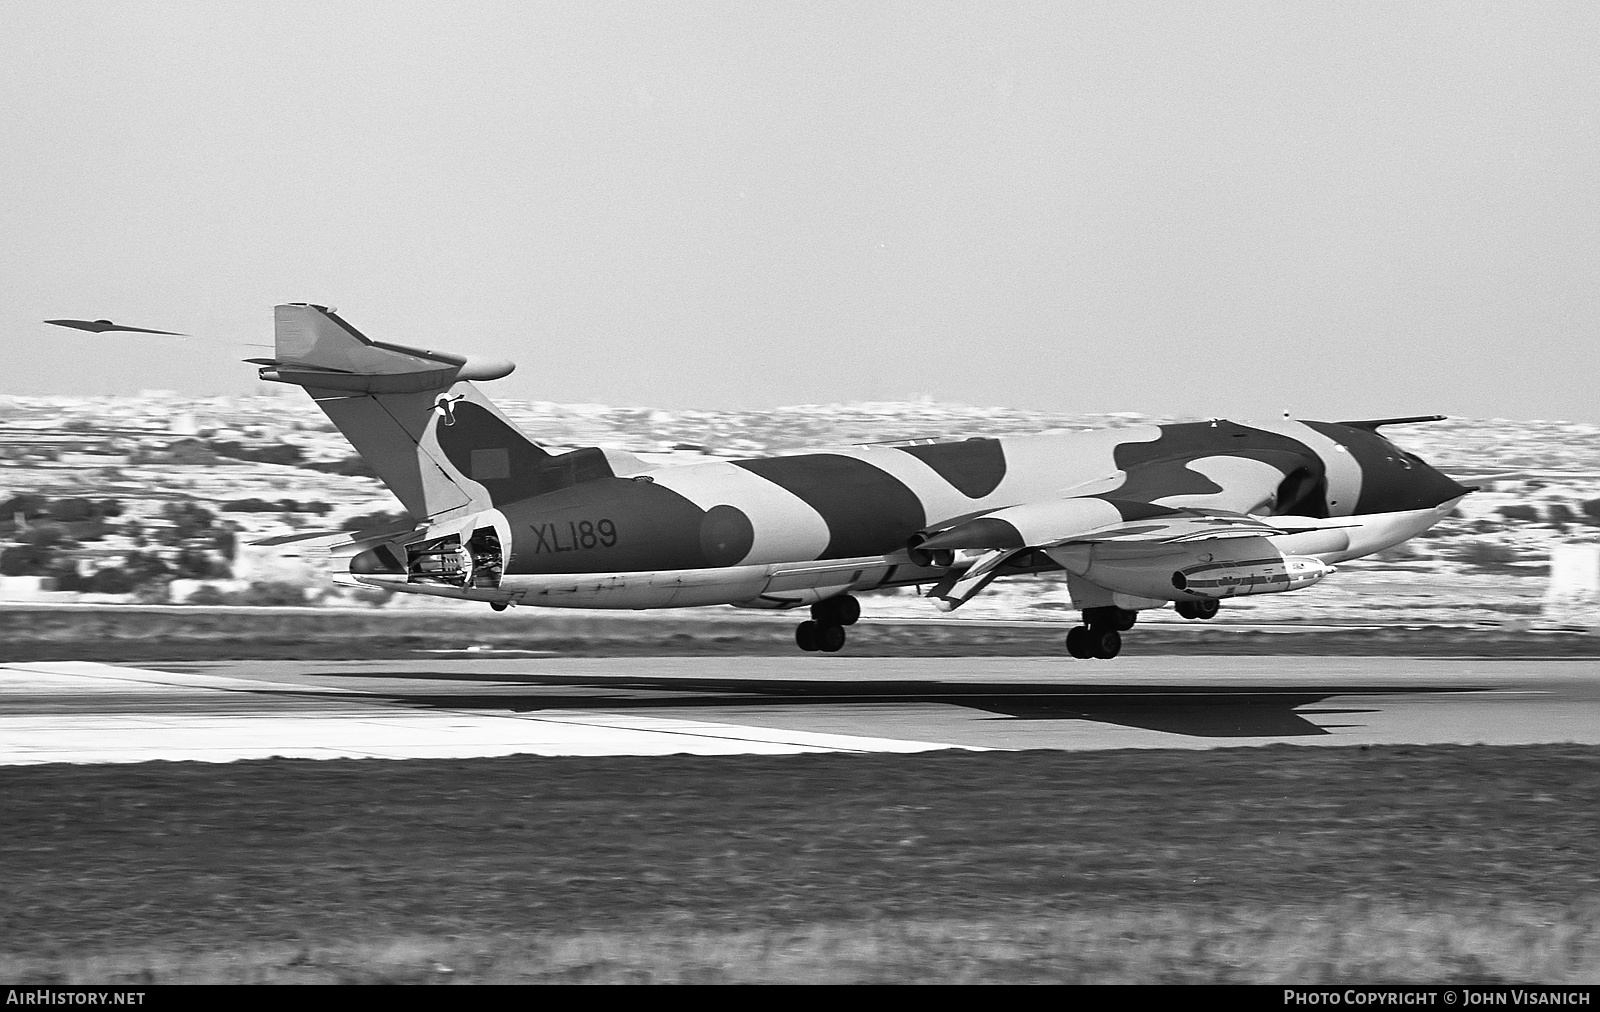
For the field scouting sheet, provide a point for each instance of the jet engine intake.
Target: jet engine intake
(929, 558)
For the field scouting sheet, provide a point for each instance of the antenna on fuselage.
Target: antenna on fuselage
(1373, 424)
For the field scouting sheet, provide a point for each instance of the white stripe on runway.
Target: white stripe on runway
(347, 730)
(92, 677)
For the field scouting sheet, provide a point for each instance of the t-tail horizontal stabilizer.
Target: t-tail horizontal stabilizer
(315, 348)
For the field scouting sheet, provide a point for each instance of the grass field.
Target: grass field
(1270, 864)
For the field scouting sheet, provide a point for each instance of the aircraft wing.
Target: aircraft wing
(302, 536)
(1170, 502)
(1164, 501)
(1180, 526)
(322, 544)
(1095, 519)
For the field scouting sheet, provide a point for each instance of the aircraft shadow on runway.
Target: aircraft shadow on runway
(1194, 710)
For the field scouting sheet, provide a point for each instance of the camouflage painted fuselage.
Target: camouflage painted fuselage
(868, 501)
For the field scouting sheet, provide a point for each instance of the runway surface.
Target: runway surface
(76, 711)
(474, 705)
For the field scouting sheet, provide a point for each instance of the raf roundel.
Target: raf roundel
(726, 536)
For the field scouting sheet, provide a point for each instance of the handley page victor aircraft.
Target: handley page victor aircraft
(1137, 517)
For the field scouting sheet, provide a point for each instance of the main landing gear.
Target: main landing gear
(1102, 629)
(1101, 632)
(825, 631)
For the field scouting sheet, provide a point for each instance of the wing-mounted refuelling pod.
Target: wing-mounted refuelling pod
(1273, 574)
(1219, 568)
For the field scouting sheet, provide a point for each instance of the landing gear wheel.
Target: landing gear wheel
(1110, 617)
(1078, 644)
(806, 637)
(830, 638)
(849, 612)
(841, 610)
(1202, 609)
(499, 605)
(1107, 643)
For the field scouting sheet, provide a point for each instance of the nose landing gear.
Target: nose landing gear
(825, 631)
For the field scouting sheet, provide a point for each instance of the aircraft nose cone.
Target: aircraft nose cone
(1436, 487)
(1418, 487)
(1395, 481)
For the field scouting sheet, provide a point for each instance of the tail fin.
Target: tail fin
(439, 444)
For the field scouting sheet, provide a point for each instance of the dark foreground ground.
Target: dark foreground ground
(133, 634)
(1278, 864)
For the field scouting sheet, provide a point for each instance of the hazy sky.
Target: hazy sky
(1341, 210)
